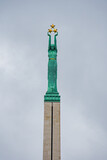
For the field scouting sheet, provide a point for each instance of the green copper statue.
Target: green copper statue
(52, 93)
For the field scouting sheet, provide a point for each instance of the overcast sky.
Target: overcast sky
(82, 77)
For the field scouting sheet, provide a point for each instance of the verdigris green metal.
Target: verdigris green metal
(52, 94)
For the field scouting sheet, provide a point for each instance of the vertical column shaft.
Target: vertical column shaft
(47, 131)
(51, 147)
(56, 131)
(52, 131)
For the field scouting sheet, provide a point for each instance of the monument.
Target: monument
(51, 139)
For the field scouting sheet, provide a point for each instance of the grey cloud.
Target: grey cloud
(81, 77)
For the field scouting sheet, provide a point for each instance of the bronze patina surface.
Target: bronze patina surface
(52, 94)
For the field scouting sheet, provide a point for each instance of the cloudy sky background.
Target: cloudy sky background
(82, 77)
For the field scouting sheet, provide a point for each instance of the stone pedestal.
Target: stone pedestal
(51, 142)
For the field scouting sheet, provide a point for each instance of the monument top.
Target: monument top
(52, 93)
(52, 29)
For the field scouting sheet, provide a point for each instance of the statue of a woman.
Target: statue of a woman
(52, 65)
(52, 94)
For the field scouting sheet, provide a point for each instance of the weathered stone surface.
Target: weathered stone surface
(51, 146)
(56, 131)
(47, 131)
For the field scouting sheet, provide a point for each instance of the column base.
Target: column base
(52, 97)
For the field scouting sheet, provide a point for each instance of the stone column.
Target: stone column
(51, 146)
(56, 131)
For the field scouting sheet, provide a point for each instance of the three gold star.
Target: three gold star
(52, 29)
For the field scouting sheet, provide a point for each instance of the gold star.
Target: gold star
(50, 30)
(55, 30)
(52, 26)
